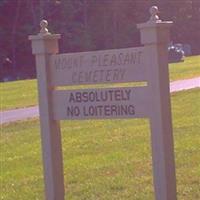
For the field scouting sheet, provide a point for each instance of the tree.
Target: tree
(89, 25)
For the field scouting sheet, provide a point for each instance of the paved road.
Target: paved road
(25, 113)
(184, 84)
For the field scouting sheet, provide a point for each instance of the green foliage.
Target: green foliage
(103, 159)
(90, 24)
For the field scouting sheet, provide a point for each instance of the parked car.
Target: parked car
(175, 53)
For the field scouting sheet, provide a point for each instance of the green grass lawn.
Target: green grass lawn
(103, 159)
(184, 70)
(19, 94)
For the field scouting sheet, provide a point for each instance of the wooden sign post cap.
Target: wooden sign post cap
(154, 30)
(44, 30)
(154, 17)
(44, 42)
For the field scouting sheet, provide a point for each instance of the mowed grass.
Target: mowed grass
(103, 159)
(184, 70)
(20, 94)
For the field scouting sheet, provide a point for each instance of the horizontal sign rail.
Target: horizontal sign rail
(105, 66)
(109, 103)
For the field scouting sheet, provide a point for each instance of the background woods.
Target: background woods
(87, 25)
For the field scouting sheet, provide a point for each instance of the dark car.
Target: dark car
(175, 53)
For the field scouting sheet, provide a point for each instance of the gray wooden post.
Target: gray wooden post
(155, 38)
(43, 46)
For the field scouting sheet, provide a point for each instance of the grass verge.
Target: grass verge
(18, 94)
(190, 68)
(103, 159)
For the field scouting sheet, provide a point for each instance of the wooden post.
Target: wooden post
(43, 46)
(155, 38)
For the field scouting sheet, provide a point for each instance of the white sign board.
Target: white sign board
(105, 66)
(104, 103)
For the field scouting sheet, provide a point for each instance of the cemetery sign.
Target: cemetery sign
(141, 64)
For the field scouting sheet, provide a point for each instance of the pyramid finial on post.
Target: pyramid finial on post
(154, 17)
(44, 25)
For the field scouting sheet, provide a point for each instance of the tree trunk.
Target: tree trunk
(13, 37)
